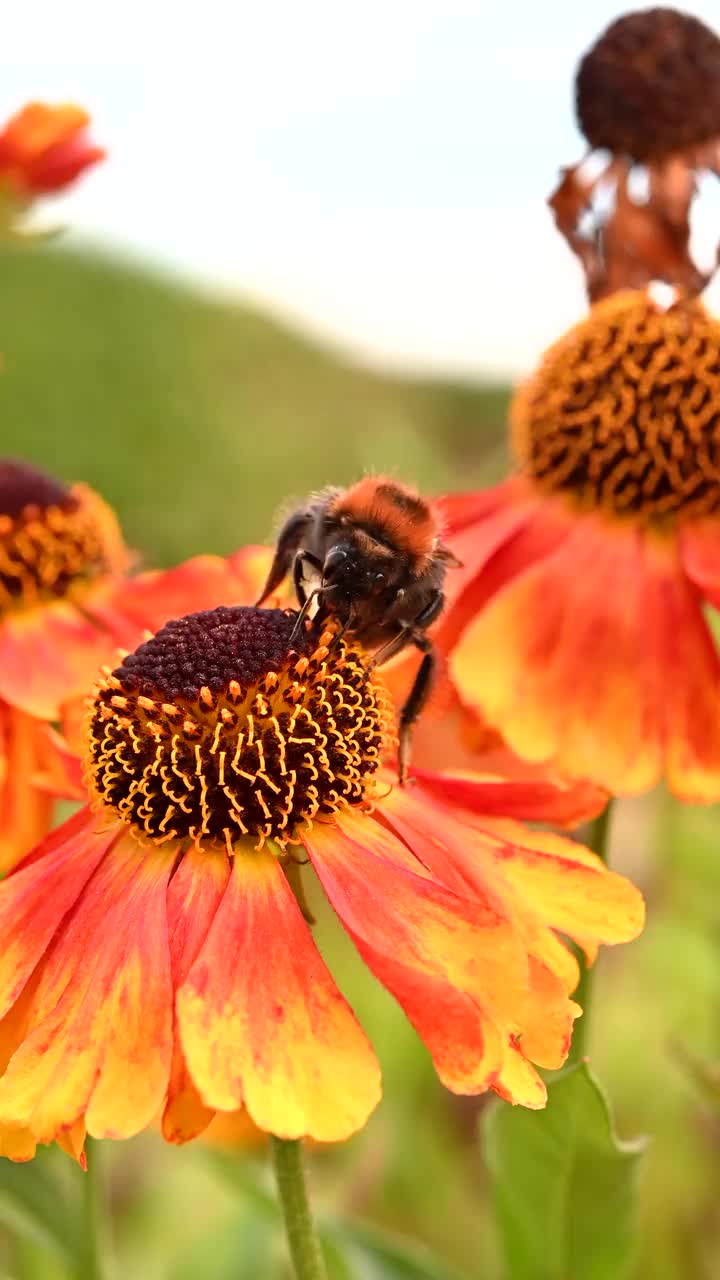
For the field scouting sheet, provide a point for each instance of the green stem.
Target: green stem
(91, 1260)
(599, 842)
(303, 1239)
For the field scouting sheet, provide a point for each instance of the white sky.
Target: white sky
(377, 170)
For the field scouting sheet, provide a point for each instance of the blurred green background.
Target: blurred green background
(196, 419)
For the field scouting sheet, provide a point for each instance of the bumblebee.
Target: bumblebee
(371, 557)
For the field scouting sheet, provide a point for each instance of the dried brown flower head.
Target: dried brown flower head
(650, 85)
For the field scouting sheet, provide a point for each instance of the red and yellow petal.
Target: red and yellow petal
(567, 674)
(522, 530)
(699, 549)
(691, 679)
(59, 768)
(262, 1021)
(454, 964)
(564, 804)
(37, 896)
(195, 893)
(98, 1042)
(25, 808)
(150, 600)
(48, 654)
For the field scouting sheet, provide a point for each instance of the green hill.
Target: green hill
(196, 417)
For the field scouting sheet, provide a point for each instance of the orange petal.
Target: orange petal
(252, 566)
(59, 768)
(461, 854)
(691, 688)
(699, 545)
(567, 885)
(262, 1021)
(454, 965)
(460, 512)
(565, 673)
(194, 896)
(36, 897)
(563, 804)
(518, 1082)
(522, 531)
(152, 599)
(25, 810)
(48, 654)
(99, 1041)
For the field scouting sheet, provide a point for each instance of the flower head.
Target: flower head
(157, 959)
(648, 93)
(579, 629)
(220, 729)
(650, 85)
(44, 148)
(66, 604)
(623, 413)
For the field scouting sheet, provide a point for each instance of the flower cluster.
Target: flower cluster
(159, 957)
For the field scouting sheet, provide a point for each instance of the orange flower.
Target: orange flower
(43, 149)
(156, 958)
(65, 606)
(579, 630)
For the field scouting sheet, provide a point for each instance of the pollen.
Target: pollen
(221, 730)
(623, 412)
(54, 539)
(650, 86)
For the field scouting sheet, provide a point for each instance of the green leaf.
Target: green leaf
(565, 1188)
(355, 1249)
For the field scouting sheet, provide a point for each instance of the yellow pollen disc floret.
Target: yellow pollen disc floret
(215, 729)
(54, 540)
(624, 411)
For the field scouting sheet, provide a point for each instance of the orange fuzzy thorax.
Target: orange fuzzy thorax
(398, 512)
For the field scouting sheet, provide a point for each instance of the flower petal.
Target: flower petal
(25, 811)
(262, 1021)
(699, 545)
(452, 964)
(30, 913)
(150, 600)
(48, 654)
(691, 687)
(523, 530)
(99, 1040)
(567, 885)
(566, 674)
(194, 895)
(532, 800)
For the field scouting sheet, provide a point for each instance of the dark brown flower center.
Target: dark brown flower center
(215, 729)
(624, 411)
(650, 85)
(53, 539)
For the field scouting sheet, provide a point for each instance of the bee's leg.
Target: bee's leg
(415, 702)
(288, 543)
(422, 684)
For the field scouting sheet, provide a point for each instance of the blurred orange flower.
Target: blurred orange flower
(156, 956)
(45, 148)
(579, 627)
(65, 606)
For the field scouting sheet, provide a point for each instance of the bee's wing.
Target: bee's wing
(289, 540)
